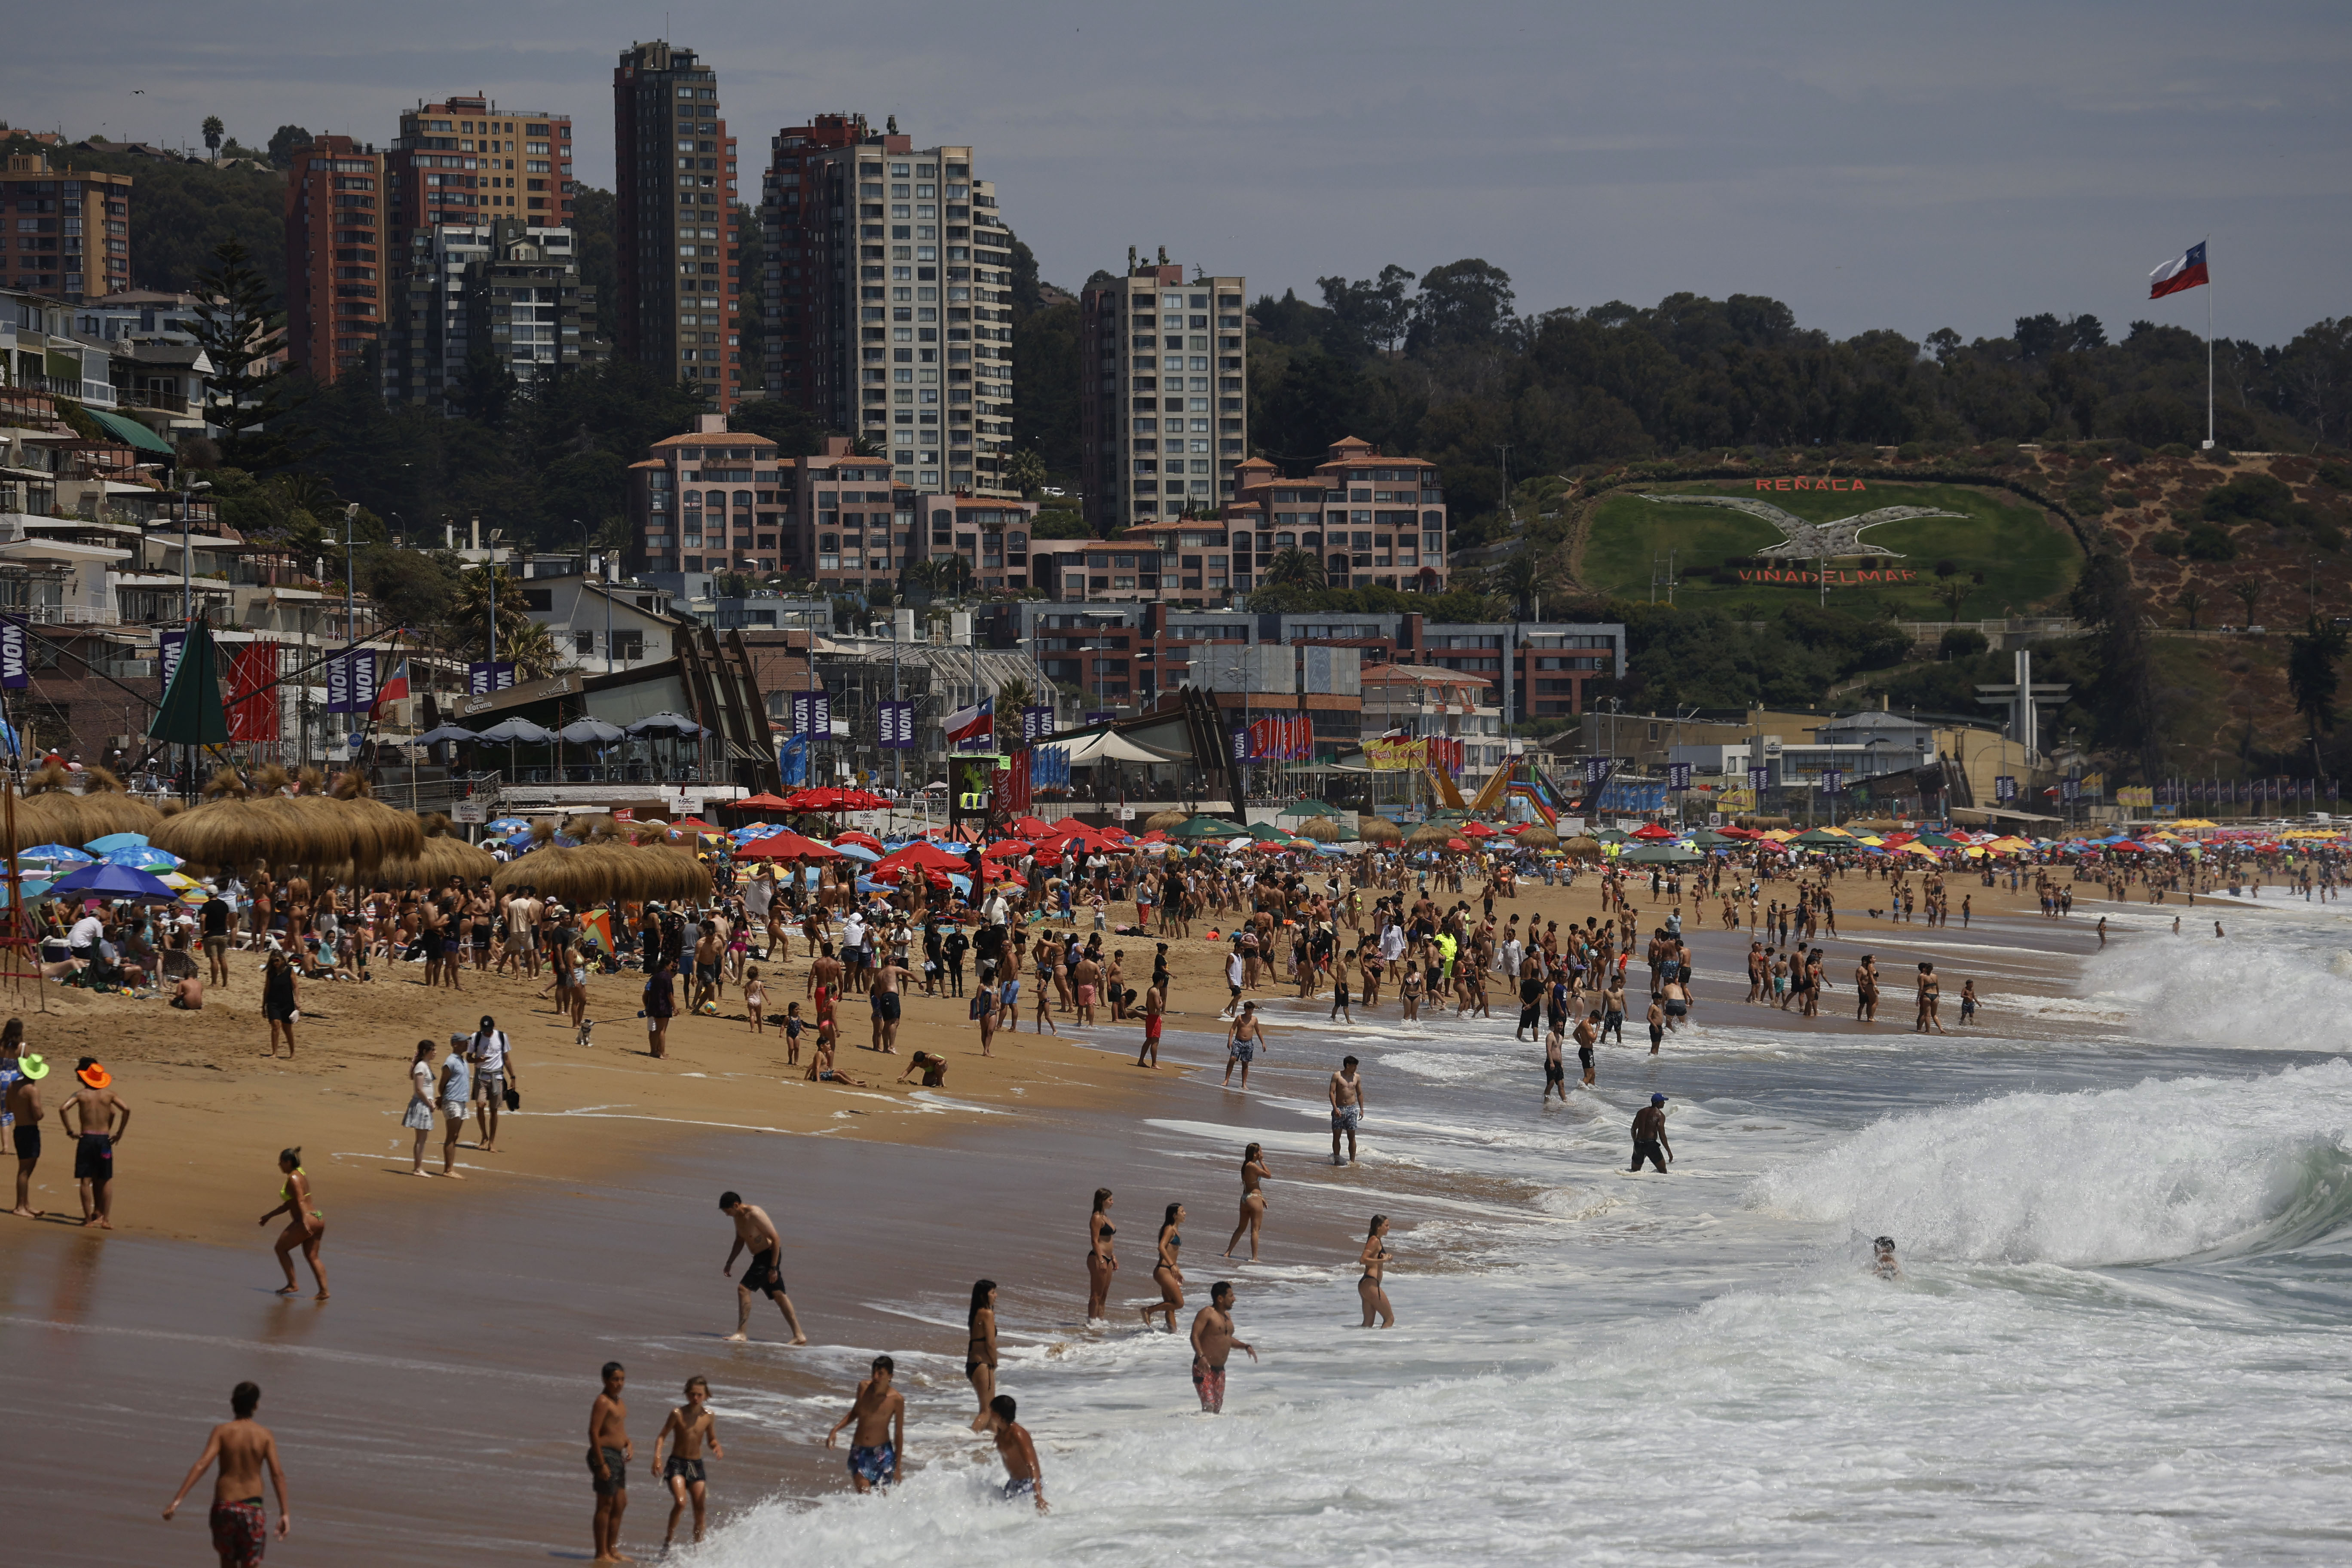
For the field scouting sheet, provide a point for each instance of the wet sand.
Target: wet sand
(436, 1409)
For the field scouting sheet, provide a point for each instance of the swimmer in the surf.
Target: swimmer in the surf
(1882, 1261)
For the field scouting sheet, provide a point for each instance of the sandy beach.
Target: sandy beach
(434, 1410)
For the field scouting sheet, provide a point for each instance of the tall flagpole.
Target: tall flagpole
(2208, 345)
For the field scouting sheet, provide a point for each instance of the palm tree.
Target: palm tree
(1011, 697)
(2192, 599)
(213, 133)
(1293, 567)
(2249, 593)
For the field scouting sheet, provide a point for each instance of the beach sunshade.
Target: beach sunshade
(860, 838)
(508, 824)
(1006, 849)
(1306, 808)
(445, 732)
(113, 841)
(143, 857)
(113, 882)
(513, 731)
(1477, 830)
(929, 857)
(1652, 831)
(591, 732)
(858, 851)
(760, 802)
(654, 724)
(788, 845)
(1205, 827)
(55, 855)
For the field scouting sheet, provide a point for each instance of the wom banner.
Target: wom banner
(1037, 723)
(896, 724)
(350, 681)
(812, 713)
(16, 653)
(483, 676)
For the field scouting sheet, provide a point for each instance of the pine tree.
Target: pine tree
(241, 328)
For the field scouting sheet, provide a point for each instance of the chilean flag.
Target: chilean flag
(394, 689)
(974, 727)
(2182, 272)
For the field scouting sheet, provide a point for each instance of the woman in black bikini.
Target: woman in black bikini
(980, 1347)
(1167, 1274)
(1102, 1258)
(1374, 1258)
(1254, 1171)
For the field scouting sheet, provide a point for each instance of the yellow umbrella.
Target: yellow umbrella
(1915, 847)
(1873, 840)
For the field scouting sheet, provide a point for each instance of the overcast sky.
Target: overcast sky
(1874, 165)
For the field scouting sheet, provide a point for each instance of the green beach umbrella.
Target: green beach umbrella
(1205, 827)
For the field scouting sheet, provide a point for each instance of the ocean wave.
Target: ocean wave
(2286, 993)
(2163, 1170)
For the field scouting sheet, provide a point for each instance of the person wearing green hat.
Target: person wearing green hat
(23, 1074)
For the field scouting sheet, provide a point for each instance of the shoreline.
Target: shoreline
(600, 1239)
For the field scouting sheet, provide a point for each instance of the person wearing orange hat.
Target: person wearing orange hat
(97, 1120)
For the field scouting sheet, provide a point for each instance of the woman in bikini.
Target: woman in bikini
(1374, 1258)
(306, 1228)
(1102, 1258)
(1168, 1273)
(980, 1347)
(1254, 1172)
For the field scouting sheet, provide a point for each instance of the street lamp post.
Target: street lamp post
(187, 585)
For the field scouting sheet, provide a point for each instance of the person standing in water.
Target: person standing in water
(980, 1347)
(306, 1228)
(244, 1448)
(1588, 1034)
(1168, 1272)
(609, 1453)
(877, 1447)
(1345, 1093)
(764, 1274)
(1882, 1261)
(1155, 1016)
(689, 1426)
(1253, 1175)
(1213, 1342)
(1374, 1258)
(1650, 1140)
(1024, 1476)
(1242, 1037)
(1102, 1257)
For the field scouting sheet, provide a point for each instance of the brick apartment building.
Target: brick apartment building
(71, 236)
(716, 500)
(336, 254)
(889, 292)
(466, 161)
(1161, 434)
(676, 232)
(1369, 520)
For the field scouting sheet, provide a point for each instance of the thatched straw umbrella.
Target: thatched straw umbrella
(1582, 848)
(106, 806)
(1539, 838)
(1161, 821)
(1320, 828)
(1378, 830)
(596, 872)
(1428, 836)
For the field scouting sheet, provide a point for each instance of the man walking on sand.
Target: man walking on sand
(25, 1104)
(1212, 1342)
(878, 1445)
(96, 1121)
(1345, 1093)
(610, 1454)
(1155, 1014)
(1242, 1039)
(764, 1274)
(890, 977)
(243, 1448)
(491, 1058)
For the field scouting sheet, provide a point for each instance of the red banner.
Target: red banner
(252, 694)
(1012, 785)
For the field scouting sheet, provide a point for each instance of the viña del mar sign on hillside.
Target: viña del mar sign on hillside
(1817, 542)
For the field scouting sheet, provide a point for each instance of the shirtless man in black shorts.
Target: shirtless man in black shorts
(764, 1274)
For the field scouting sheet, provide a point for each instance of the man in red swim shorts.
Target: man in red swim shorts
(1155, 1009)
(244, 1448)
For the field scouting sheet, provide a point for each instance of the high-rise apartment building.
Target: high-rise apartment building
(71, 237)
(1164, 405)
(335, 255)
(508, 288)
(466, 161)
(889, 298)
(674, 229)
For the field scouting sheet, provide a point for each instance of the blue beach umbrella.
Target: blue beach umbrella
(508, 825)
(55, 855)
(143, 857)
(114, 841)
(113, 882)
(855, 851)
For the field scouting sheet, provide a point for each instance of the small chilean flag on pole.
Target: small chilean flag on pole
(2181, 272)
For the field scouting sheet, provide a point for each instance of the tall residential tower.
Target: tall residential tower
(675, 231)
(889, 298)
(335, 255)
(1163, 396)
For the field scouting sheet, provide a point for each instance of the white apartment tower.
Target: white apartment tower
(1163, 410)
